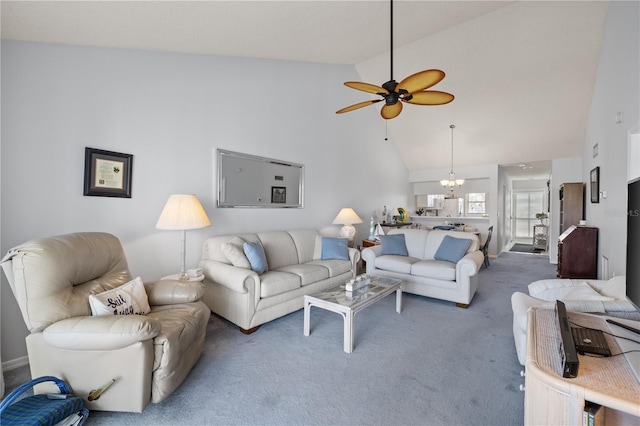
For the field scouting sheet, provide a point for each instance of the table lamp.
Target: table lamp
(182, 212)
(347, 217)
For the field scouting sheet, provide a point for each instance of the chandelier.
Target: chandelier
(452, 181)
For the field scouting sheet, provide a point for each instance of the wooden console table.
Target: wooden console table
(551, 399)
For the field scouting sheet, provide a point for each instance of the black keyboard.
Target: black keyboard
(588, 340)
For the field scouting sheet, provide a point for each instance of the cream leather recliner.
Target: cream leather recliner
(149, 356)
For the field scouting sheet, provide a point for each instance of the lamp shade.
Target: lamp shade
(347, 217)
(183, 211)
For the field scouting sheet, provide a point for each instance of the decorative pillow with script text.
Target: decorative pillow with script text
(128, 299)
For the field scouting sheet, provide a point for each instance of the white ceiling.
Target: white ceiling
(522, 72)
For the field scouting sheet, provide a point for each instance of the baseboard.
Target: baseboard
(15, 363)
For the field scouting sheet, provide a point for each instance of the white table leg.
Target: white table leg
(348, 332)
(399, 300)
(307, 317)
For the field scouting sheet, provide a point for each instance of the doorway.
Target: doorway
(527, 203)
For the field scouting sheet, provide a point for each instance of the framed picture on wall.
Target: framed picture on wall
(595, 185)
(278, 194)
(107, 173)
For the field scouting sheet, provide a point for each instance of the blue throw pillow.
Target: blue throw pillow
(334, 248)
(393, 244)
(452, 249)
(255, 254)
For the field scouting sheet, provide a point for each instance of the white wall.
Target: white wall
(505, 210)
(616, 90)
(171, 111)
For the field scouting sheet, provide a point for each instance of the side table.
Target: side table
(362, 267)
(369, 243)
(177, 278)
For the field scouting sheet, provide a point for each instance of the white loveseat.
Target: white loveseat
(422, 273)
(295, 268)
(578, 295)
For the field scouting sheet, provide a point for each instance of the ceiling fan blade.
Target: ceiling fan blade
(391, 111)
(431, 97)
(366, 87)
(357, 106)
(421, 80)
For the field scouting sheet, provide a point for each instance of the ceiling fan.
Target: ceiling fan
(410, 90)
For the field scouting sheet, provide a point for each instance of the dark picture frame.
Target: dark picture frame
(595, 185)
(107, 173)
(278, 194)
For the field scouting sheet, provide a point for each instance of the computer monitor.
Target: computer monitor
(633, 241)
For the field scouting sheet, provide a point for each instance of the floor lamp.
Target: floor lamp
(183, 212)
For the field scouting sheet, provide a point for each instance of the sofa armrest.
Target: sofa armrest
(554, 289)
(101, 333)
(354, 257)
(172, 292)
(232, 277)
(470, 264)
(369, 254)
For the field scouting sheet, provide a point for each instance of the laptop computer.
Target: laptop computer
(589, 340)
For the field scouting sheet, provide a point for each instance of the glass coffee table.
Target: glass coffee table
(348, 304)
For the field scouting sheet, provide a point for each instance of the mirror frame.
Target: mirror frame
(221, 154)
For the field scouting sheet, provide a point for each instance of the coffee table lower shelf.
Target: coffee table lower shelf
(348, 305)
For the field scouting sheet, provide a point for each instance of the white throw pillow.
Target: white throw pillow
(128, 299)
(615, 287)
(234, 252)
(583, 291)
(317, 248)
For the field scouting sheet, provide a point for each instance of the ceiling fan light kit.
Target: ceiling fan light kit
(412, 89)
(452, 182)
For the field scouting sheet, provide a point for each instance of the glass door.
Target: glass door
(527, 204)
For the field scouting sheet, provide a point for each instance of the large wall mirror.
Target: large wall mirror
(250, 181)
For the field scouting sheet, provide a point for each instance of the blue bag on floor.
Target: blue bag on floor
(43, 409)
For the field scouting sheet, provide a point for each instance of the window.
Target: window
(476, 203)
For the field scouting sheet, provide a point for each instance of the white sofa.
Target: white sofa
(295, 268)
(424, 275)
(578, 295)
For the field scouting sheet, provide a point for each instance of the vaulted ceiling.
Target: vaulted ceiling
(522, 72)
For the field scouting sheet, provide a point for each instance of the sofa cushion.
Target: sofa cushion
(304, 240)
(234, 251)
(308, 273)
(277, 282)
(393, 245)
(452, 249)
(335, 267)
(128, 299)
(280, 249)
(255, 254)
(334, 248)
(436, 269)
(584, 292)
(400, 264)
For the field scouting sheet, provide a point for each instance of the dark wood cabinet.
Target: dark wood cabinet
(571, 204)
(578, 253)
